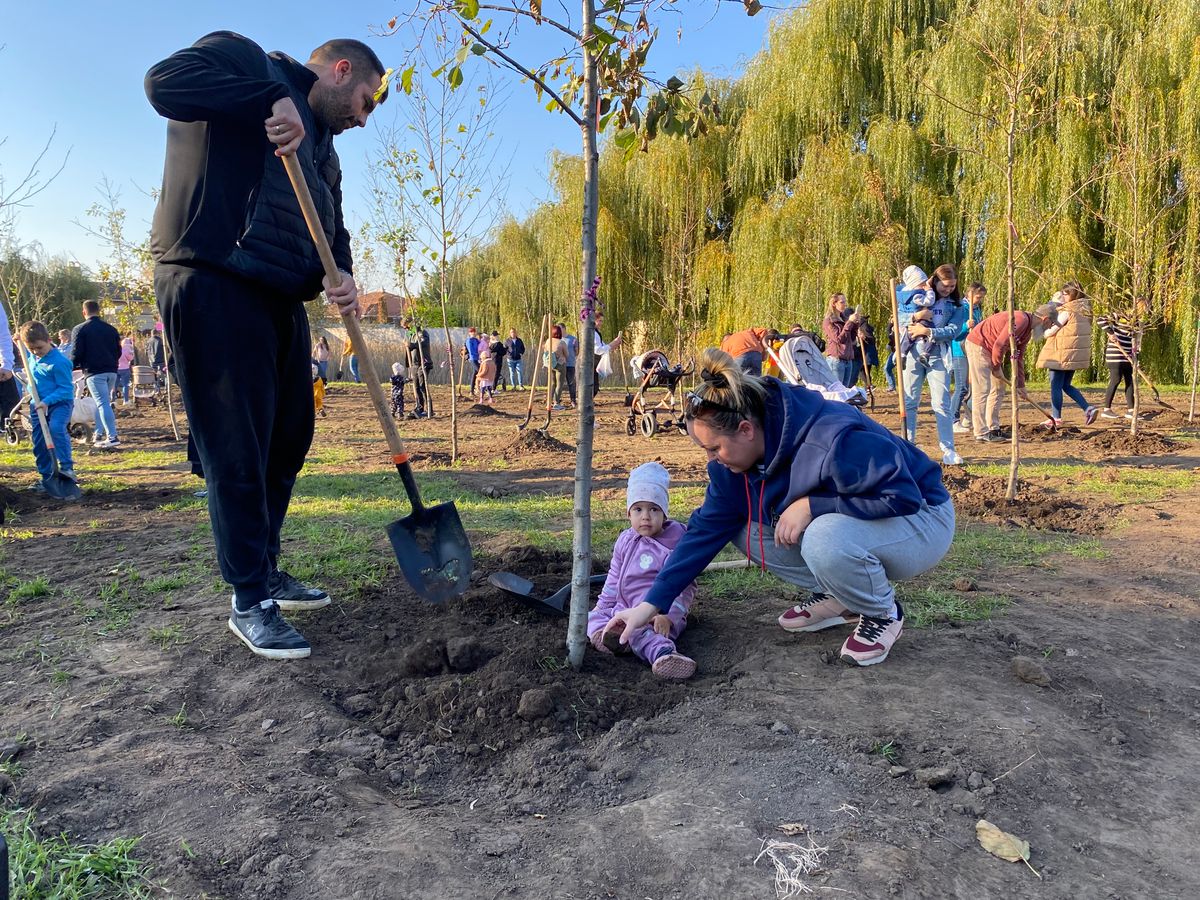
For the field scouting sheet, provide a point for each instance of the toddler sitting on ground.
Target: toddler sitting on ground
(638, 556)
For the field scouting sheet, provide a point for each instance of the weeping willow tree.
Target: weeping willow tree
(847, 149)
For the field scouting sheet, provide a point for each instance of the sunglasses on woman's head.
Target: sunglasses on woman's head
(698, 407)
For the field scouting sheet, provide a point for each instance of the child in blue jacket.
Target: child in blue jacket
(51, 374)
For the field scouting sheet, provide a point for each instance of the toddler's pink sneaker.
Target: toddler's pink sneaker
(674, 666)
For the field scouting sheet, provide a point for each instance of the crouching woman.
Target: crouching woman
(817, 494)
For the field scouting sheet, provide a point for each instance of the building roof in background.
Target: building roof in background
(393, 305)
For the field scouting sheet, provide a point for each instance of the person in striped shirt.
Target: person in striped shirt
(1124, 343)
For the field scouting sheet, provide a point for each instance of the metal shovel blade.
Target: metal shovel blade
(434, 554)
(62, 487)
(522, 589)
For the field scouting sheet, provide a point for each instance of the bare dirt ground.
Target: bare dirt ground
(395, 762)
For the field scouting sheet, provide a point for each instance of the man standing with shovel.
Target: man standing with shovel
(234, 265)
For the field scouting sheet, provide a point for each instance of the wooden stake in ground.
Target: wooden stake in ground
(550, 369)
(537, 361)
(1195, 374)
(898, 357)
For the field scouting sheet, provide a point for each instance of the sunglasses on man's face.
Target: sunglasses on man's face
(698, 407)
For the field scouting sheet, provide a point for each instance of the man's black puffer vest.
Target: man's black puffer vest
(275, 248)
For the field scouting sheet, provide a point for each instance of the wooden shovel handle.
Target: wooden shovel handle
(353, 331)
(898, 359)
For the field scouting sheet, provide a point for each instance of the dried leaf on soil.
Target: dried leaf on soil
(1002, 844)
(791, 829)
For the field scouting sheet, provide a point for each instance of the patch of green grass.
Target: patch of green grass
(164, 583)
(180, 719)
(59, 677)
(167, 637)
(926, 605)
(184, 503)
(126, 460)
(888, 751)
(115, 610)
(1123, 484)
(11, 768)
(736, 585)
(63, 869)
(29, 590)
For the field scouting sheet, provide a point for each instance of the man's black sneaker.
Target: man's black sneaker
(264, 631)
(291, 594)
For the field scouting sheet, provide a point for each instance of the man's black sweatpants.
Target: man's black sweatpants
(243, 359)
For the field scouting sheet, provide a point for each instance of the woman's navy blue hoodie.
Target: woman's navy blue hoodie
(841, 460)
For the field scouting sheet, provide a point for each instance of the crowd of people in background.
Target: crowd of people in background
(948, 344)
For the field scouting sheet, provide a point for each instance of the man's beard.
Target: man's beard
(331, 107)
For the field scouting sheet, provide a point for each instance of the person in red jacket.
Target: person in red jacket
(987, 345)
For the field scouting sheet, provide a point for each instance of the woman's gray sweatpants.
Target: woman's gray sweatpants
(855, 560)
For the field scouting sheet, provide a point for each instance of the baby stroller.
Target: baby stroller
(656, 371)
(802, 363)
(18, 426)
(83, 413)
(146, 386)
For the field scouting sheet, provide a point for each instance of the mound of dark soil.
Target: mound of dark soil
(533, 441)
(1122, 442)
(982, 499)
(1034, 434)
(479, 409)
(461, 676)
(429, 457)
(16, 501)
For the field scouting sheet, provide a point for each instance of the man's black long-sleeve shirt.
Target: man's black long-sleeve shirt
(216, 95)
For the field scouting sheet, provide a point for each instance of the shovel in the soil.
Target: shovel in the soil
(59, 485)
(522, 589)
(430, 544)
(1050, 423)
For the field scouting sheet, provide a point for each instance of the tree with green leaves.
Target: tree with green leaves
(599, 78)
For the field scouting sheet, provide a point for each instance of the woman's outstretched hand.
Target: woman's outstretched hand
(792, 523)
(633, 618)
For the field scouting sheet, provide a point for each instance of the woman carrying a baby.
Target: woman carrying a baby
(932, 316)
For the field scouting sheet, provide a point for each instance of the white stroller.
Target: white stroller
(801, 362)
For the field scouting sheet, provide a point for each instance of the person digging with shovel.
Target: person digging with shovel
(52, 394)
(234, 264)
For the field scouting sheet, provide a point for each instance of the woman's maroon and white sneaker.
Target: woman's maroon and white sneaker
(674, 666)
(817, 613)
(872, 639)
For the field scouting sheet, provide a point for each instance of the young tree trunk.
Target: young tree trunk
(1137, 388)
(582, 544)
(1010, 287)
(444, 297)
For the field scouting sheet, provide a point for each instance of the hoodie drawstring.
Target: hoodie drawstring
(762, 556)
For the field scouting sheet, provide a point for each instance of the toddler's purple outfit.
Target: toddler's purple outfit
(636, 562)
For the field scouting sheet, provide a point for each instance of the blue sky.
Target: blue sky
(76, 69)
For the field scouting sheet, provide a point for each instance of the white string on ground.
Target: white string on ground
(793, 863)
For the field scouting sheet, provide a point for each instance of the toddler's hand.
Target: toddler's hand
(661, 625)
